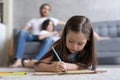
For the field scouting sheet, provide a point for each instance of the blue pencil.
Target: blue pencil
(56, 54)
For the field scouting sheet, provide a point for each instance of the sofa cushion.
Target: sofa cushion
(107, 28)
(108, 48)
(31, 49)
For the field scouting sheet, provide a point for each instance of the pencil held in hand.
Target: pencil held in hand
(59, 59)
(56, 54)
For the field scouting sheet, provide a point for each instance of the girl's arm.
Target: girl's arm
(43, 65)
(47, 35)
(47, 65)
(55, 66)
(72, 66)
(76, 66)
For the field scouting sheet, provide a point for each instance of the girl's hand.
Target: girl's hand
(58, 66)
(60, 33)
(54, 33)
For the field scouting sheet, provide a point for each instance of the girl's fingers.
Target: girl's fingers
(62, 70)
(58, 69)
(63, 66)
(59, 66)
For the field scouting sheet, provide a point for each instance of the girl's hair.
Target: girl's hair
(42, 6)
(77, 24)
(45, 24)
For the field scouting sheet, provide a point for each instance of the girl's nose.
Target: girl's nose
(74, 47)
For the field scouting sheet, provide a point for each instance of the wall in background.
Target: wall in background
(96, 10)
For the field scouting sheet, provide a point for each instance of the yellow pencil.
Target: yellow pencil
(12, 73)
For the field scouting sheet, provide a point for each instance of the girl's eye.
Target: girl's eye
(80, 44)
(70, 41)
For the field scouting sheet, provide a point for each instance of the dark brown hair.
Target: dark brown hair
(88, 54)
(45, 24)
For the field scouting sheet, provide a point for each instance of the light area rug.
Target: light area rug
(113, 73)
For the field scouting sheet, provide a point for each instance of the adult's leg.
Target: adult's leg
(23, 36)
(45, 44)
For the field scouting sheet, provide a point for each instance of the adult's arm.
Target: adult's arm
(62, 22)
(98, 37)
(26, 27)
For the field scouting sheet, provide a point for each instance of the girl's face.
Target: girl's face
(75, 41)
(50, 26)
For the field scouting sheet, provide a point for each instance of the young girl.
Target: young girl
(75, 48)
(46, 30)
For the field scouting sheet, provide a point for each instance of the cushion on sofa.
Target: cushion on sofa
(107, 28)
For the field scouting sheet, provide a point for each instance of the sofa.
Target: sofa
(108, 51)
